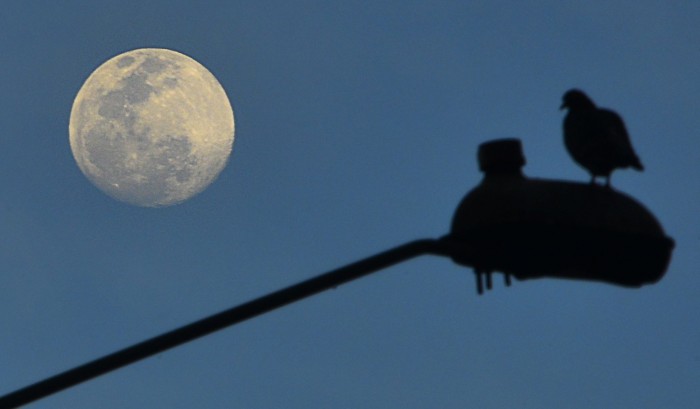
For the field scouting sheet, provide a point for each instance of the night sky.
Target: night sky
(357, 125)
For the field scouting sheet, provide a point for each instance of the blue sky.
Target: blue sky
(357, 125)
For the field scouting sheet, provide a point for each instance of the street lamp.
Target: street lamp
(531, 228)
(525, 228)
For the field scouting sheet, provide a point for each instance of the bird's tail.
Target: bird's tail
(636, 163)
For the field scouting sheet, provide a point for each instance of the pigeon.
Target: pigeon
(596, 138)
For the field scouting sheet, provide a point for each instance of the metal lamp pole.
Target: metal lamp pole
(220, 321)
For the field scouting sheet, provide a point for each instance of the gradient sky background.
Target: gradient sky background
(357, 125)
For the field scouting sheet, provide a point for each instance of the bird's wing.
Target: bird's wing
(618, 139)
(615, 131)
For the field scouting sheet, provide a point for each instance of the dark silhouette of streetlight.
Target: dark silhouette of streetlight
(530, 228)
(522, 227)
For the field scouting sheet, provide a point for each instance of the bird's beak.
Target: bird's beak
(563, 105)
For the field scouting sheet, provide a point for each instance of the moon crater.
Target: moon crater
(151, 127)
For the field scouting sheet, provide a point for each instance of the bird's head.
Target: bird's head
(575, 99)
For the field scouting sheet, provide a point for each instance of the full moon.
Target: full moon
(151, 127)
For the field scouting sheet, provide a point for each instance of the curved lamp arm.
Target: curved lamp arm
(220, 321)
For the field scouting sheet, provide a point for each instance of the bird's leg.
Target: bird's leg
(507, 279)
(479, 282)
(592, 179)
(607, 181)
(489, 282)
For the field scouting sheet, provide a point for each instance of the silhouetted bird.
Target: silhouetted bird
(596, 138)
